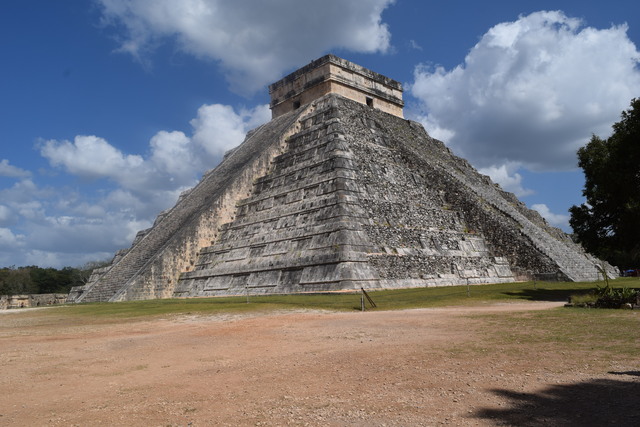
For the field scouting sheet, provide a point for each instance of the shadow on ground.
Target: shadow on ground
(631, 373)
(542, 294)
(592, 403)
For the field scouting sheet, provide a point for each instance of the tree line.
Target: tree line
(38, 280)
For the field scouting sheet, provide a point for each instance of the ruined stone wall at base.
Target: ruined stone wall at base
(31, 300)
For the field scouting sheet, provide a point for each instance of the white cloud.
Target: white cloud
(89, 157)
(8, 240)
(6, 216)
(60, 259)
(77, 234)
(531, 92)
(254, 41)
(12, 171)
(256, 116)
(508, 178)
(414, 45)
(175, 160)
(23, 192)
(218, 128)
(557, 220)
(172, 154)
(58, 226)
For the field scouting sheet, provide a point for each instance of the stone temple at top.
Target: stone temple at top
(331, 74)
(338, 191)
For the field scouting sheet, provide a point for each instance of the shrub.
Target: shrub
(614, 298)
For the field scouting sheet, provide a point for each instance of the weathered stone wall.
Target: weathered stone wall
(300, 230)
(366, 97)
(419, 239)
(512, 231)
(31, 300)
(295, 100)
(331, 74)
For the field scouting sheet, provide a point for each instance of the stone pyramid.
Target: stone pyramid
(338, 191)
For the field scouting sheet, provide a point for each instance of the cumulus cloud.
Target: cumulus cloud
(60, 259)
(66, 226)
(7, 217)
(175, 159)
(254, 41)
(78, 234)
(557, 220)
(89, 156)
(171, 153)
(530, 92)
(12, 171)
(219, 128)
(23, 192)
(8, 240)
(508, 178)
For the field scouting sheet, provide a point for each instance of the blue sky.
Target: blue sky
(110, 108)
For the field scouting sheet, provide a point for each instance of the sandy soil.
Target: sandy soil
(401, 368)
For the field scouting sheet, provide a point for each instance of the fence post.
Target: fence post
(373, 304)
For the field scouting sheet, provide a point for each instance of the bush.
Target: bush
(614, 298)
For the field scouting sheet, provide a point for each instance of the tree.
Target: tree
(36, 280)
(15, 281)
(608, 224)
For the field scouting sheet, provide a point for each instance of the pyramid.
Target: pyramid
(338, 191)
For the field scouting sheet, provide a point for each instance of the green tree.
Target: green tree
(608, 224)
(36, 280)
(15, 281)
(51, 280)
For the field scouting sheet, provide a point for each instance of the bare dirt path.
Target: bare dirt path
(397, 368)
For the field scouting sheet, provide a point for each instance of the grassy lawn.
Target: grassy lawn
(397, 299)
(566, 330)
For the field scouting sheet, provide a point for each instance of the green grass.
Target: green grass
(566, 330)
(584, 298)
(385, 300)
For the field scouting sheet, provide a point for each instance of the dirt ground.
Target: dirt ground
(397, 368)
